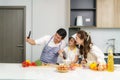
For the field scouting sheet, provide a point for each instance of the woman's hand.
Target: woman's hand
(84, 62)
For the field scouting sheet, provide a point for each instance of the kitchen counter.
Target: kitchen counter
(16, 71)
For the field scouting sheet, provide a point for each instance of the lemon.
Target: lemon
(93, 65)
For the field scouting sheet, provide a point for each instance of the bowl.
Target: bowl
(62, 68)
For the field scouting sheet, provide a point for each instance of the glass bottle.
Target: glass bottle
(110, 62)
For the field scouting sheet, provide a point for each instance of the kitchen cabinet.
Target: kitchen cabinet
(117, 13)
(73, 30)
(95, 13)
(108, 14)
(84, 8)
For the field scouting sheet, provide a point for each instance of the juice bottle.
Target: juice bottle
(110, 67)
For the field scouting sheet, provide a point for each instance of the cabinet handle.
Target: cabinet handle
(20, 46)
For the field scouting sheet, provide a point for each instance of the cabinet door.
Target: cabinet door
(117, 13)
(105, 13)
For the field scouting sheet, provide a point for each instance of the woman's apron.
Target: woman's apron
(50, 54)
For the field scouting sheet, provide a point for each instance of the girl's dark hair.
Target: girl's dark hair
(70, 38)
(62, 32)
(85, 48)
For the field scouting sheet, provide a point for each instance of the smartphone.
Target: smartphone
(29, 35)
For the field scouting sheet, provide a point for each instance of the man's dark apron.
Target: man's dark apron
(50, 54)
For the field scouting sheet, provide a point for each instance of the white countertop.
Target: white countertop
(16, 71)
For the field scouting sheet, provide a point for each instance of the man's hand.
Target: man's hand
(30, 41)
(60, 52)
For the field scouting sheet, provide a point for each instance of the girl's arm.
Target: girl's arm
(76, 56)
(76, 59)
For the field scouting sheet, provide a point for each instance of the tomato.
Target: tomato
(25, 64)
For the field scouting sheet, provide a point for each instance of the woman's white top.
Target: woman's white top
(71, 54)
(95, 55)
(45, 39)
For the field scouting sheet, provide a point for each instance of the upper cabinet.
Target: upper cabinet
(108, 13)
(97, 13)
(117, 13)
(82, 12)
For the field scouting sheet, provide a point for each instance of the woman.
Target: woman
(87, 49)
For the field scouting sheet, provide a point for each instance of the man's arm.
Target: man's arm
(39, 41)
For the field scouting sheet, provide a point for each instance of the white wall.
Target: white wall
(28, 5)
(48, 16)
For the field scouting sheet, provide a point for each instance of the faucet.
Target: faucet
(111, 45)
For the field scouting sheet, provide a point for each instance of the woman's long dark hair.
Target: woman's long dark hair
(85, 48)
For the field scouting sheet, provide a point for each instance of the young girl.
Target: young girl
(71, 51)
(87, 49)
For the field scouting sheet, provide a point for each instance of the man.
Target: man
(52, 45)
